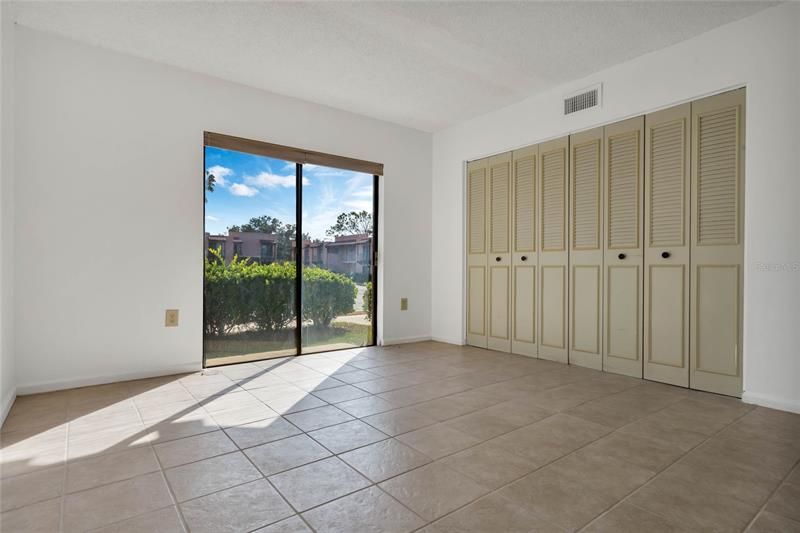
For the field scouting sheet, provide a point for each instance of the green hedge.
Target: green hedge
(242, 293)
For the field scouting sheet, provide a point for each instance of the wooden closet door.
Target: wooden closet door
(585, 248)
(553, 251)
(524, 258)
(666, 259)
(499, 260)
(477, 277)
(624, 258)
(717, 251)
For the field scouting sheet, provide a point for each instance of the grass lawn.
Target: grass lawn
(252, 342)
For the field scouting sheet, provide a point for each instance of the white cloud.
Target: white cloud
(240, 189)
(220, 173)
(267, 180)
(212, 218)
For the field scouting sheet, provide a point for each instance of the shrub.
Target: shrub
(326, 295)
(367, 300)
(242, 293)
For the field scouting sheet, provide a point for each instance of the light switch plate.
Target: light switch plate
(404, 304)
(171, 318)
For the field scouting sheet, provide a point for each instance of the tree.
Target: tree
(352, 223)
(211, 182)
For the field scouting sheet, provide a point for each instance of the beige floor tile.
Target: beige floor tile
(243, 415)
(317, 483)
(551, 438)
(370, 509)
(767, 522)
(646, 453)
(42, 517)
(399, 421)
(94, 471)
(281, 455)
(438, 441)
(660, 430)
(230, 400)
(494, 513)
(319, 385)
(626, 518)
(777, 458)
(366, 406)
(481, 425)
(27, 489)
(210, 475)
(433, 490)
(490, 464)
(444, 408)
(384, 459)
(293, 524)
(606, 475)
(318, 418)
(356, 376)
(682, 502)
(285, 405)
(564, 501)
(261, 432)
(786, 502)
(163, 521)
(195, 448)
(118, 501)
(241, 508)
(347, 436)
(113, 440)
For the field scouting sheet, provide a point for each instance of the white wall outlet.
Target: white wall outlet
(171, 318)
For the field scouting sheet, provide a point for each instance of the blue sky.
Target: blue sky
(250, 186)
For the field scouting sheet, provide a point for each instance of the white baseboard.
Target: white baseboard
(5, 408)
(404, 340)
(457, 342)
(773, 402)
(48, 386)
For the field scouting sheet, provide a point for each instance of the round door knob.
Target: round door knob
(524, 257)
(665, 255)
(497, 259)
(621, 256)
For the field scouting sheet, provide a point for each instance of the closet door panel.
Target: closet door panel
(586, 251)
(524, 257)
(477, 289)
(499, 257)
(623, 256)
(553, 250)
(666, 306)
(716, 242)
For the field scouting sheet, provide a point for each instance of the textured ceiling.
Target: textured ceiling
(426, 65)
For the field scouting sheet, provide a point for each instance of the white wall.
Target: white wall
(7, 371)
(109, 207)
(760, 52)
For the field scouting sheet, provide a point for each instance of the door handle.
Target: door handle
(621, 256)
(665, 254)
(524, 258)
(497, 259)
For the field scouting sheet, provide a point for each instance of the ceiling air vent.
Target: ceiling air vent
(584, 99)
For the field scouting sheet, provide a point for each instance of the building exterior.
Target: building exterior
(346, 254)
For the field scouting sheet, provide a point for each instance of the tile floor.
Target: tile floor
(422, 437)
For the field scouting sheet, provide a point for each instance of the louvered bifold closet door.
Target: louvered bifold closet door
(666, 256)
(553, 250)
(524, 257)
(499, 260)
(624, 258)
(717, 251)
(477, 247)
(586, 249)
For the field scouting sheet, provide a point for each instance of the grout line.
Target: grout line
(783, 482)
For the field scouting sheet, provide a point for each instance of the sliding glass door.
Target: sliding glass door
(338, 252)
(265, 296)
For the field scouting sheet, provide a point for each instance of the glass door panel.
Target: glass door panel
(249, 290)
(337, 259)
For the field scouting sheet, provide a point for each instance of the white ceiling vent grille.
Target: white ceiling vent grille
(584, 99)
